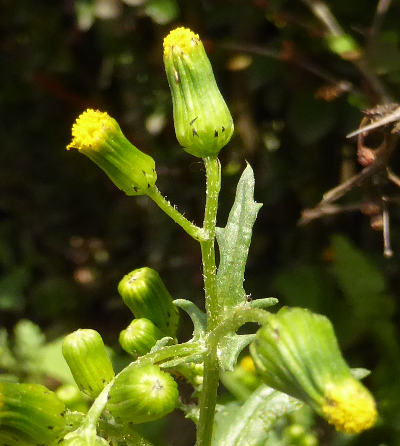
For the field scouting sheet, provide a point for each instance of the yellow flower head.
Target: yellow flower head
(98, 136)
(349, 407)
(182, 38)
(296, 352)
(90, 129)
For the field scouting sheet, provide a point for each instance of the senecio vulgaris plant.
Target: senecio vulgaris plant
(295, 352)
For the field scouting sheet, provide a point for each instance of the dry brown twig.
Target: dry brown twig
(375, 162)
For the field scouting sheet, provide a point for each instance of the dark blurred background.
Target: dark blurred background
(67, 235)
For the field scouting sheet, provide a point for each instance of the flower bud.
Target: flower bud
(73, 399)
(145, 294)
(88, 361)
(29, 413)
(142, 393)
(99, 137)
(203, 123)
(296, 352)
(139, 337)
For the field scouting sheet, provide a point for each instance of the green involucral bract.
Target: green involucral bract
(203, 123)
(30, 414)
(142, 393)
(145, 294)
(99, 137)
(88, 361)
(139, 337)
(296, 352)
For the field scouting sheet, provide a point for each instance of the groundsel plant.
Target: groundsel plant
(294, 353)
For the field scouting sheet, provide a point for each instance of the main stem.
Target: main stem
(208, 397)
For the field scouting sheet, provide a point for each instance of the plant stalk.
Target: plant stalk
(208, 397)
(193, 230)
(213, 172)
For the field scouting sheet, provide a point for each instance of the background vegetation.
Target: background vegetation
(67, 235)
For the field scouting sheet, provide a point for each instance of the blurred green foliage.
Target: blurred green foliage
(67, 235)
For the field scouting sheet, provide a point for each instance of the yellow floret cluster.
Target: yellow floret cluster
(183, 38)
(90, 129)
(350, 408)
(247, 364)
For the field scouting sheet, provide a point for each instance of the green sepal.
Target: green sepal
(88, 361)
(145, 294)
(142, 393)
(139, 337)
(31, 412)
(234, 242)
(128, 168)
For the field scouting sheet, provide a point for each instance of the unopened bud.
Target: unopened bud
(145, 294)
(203, 123)
(88, 361)
(139, 337)
(141, 394)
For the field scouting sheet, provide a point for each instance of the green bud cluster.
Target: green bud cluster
(88, 361)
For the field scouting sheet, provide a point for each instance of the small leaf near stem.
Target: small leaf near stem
(234, 243)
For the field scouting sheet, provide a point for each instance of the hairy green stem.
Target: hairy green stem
(193, 230)
(213, 171)
(208, 397)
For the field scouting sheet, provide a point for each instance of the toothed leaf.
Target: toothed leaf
(234, 242)
(229, 349)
